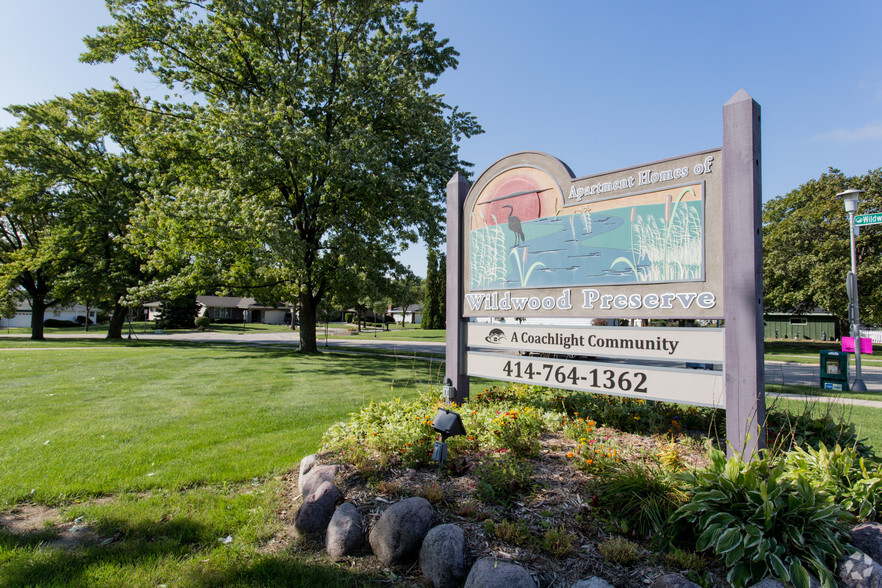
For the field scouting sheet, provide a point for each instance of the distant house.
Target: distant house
(231, 309)
(817, 325)
(75, 313)
(414, 314)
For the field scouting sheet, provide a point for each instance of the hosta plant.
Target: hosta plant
(848, 479)
(762, 524)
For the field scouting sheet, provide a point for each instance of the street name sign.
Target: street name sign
(868, 219)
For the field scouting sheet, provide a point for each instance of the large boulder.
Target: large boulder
(868, 538)
(306, 464)
(860, 571)
(316, 511)
(770, 582)
(398, 534)
(315, 477)
(345, 531)
(442, 556)
(673, 581)
(593, 582)
(490, 573)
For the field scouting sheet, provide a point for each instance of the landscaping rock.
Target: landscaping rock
(398, 534)
(868, 538)
(316, 511)
(773, 583)
(490, 573)
(315, 477)
(306, 464)
(860, 571)
(345, 531)
(593, 582)
(442, 556)
(673, 581)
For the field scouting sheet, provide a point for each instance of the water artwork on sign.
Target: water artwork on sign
(526, 232)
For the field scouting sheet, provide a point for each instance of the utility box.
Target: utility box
(834, 370)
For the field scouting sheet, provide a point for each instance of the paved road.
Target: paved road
(776, 372)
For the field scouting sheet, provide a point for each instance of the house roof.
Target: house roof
(235, 302)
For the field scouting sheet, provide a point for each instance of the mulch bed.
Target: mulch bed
(563, 498)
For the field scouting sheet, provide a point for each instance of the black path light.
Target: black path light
(448, 424)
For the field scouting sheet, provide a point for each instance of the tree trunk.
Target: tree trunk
(38, 309)
(308, 343)
(117, 321)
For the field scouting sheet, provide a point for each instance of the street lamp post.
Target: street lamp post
(851, 198)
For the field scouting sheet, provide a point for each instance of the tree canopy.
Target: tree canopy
(65, 239)
(315, 143)
(806, 249)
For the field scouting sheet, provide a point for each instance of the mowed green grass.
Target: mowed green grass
(88, 421)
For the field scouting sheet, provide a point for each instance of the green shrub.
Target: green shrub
(502, 479)
(382, 430)
(760, 523)
(348, 317)
(619, 550)
(849, 480)
(596, 455)
(635, 415)
(640, 498)
(202, 322)
(514, 532)
(557, 541)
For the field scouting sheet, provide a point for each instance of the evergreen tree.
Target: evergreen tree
(431, 300)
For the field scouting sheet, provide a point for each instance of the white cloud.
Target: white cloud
(864, 133)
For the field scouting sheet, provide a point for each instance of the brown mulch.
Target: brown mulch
(563, 498)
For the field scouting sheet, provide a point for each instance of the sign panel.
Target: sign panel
(866, 345)
(867, 219)
(699, 387)
(680, 345)
(635, 242)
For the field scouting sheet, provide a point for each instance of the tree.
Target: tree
(9, 307)
(177, 313)
(406, 291)
(85, 149)
(434, 294)
(319, 142)
(28, 226)
(806, 250)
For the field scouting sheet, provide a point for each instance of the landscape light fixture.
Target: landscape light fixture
(851, 198)
(448, 424)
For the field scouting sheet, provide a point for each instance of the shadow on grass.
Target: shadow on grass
(157, 552)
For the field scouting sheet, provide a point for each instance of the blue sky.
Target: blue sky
(600, 85)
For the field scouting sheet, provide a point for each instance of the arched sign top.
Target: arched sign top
(536, 234)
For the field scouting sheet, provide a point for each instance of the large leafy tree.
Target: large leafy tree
(806, 250)
(86, 150)
(320, 144)
(29, 227)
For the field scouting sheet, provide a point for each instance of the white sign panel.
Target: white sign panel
(700, 387)
(680, 345)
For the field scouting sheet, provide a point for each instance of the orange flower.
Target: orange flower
(571, 454)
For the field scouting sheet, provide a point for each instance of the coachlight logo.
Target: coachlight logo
(495, 336)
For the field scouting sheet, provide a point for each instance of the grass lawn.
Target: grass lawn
(172, 447)
(809, 352)
(173, 455)
(867, 421)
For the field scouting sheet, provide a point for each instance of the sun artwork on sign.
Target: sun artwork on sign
(525, 231)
